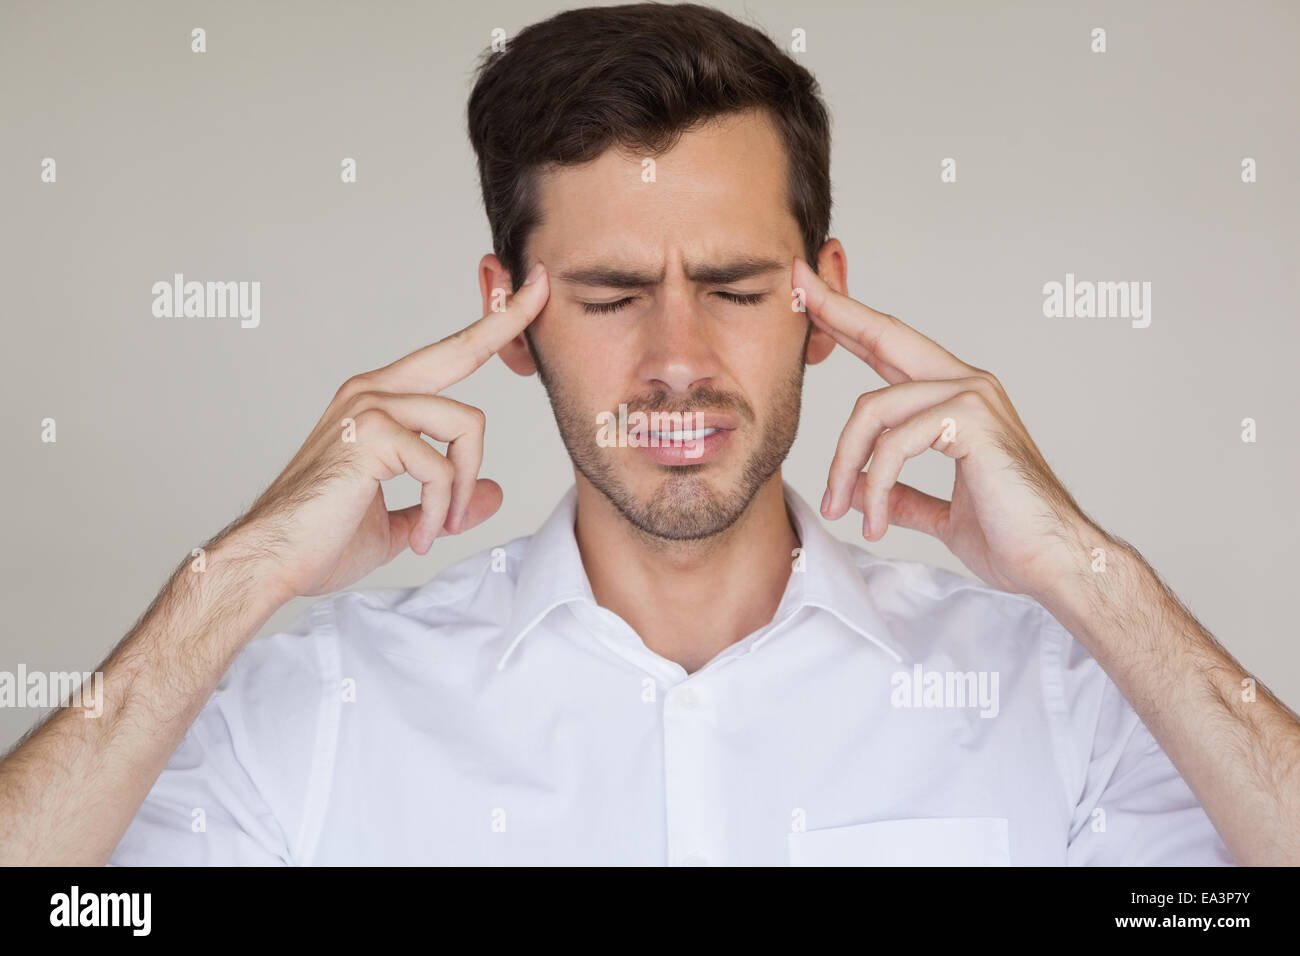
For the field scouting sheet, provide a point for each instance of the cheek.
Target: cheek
(765, 361)
(775, 341)
(582, 355)
(555, 339)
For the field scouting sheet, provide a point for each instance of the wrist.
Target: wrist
(1101, 580)
(220, 597)
(213, 604)
(247, 563)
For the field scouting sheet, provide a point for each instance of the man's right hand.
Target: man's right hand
(324, 521)
(70, 789)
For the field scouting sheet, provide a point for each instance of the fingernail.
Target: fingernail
(534, 274)
(866, 525)
(826, 500)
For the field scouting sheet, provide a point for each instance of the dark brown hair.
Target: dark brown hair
(637, 77)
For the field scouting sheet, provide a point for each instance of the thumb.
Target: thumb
(485, 502)
(909, 507)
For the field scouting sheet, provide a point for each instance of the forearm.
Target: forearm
(1238, 751)
(70, 789)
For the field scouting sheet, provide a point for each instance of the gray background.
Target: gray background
(225, 165)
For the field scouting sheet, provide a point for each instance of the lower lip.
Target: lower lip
(694, 452)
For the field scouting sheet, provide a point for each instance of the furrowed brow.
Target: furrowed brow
(733, 271)
(613, 277)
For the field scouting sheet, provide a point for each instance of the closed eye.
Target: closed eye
(744, 298)
(605, 308)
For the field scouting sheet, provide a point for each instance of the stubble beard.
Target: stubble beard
(686, 506)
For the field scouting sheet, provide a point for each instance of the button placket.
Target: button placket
(692, 788)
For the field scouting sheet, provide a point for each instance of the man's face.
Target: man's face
(673, 295)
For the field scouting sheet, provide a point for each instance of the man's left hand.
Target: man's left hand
(1010, 521)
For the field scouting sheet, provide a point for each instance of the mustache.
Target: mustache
(701, 399)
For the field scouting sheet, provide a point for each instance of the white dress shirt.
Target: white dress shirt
(890, 713)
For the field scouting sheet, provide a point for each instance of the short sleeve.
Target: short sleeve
(246, 785)
(1130, 806)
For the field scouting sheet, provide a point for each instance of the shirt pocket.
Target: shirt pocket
(935, 841)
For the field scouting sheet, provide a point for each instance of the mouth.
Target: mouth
(697, 445)
(678, 437)
(689, 423)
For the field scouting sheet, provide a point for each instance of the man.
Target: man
(681, 666)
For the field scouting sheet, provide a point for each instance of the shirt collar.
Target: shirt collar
(827, 577)
(831, 579)
(550, 573)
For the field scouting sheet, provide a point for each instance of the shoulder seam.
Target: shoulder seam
(469, 587)
(963, 582)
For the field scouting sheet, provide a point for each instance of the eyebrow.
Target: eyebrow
(615, 277)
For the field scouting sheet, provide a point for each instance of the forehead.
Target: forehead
(720, 190)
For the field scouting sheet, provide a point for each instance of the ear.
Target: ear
(833, 268)
(493, 282)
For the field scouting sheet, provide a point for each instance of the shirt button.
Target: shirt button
(687, 699)
(694, 859)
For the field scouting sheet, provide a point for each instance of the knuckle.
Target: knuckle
(354, 386)
(470, 340)
(372, 421)
(437, 461)
(446, 471)
(460, 336)
(362, 400)
(869, 411)
(477, 417)
(437, 488)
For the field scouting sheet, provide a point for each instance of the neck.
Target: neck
(688, 600)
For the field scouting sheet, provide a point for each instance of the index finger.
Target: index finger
(894, 349)
(431, 369)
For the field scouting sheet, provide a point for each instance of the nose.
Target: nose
(677, 344)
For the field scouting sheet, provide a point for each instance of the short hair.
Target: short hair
(636, 76)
